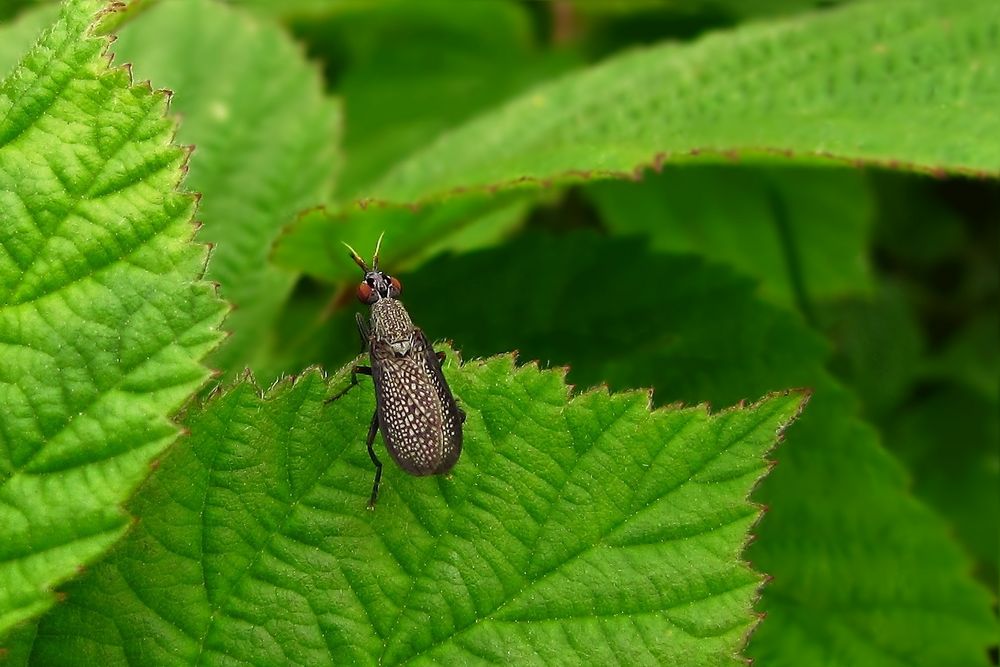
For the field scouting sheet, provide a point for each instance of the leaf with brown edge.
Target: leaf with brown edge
(585, 528)
(103, 313)
(905, 84)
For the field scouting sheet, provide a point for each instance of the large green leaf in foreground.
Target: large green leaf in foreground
(864, 573)
(908, 82)
(572, 529)
(102, 315)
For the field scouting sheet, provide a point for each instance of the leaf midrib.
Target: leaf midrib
(491, 615)
(216, 605)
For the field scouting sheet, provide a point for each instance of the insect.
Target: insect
(414, 408)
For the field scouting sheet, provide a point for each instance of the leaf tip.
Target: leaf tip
(455, 358)
(216, 391)
(805, 395)
(106, 20)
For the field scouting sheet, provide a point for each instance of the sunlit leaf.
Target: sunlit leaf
(846, 84)
(265, 141)
(103, 316)
(571, 529)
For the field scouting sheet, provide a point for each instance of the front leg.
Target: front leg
(363, 331)
(365, 336)
(372, 431)
(357, 370)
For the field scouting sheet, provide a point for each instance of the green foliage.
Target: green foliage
(454, 65)
(102, 312)
(944, 437)
(503, 148)
(586, 522)
(18, 36)
(256, 117)
(410, 236)
(831, 471)
(928, 64)
(801, 232)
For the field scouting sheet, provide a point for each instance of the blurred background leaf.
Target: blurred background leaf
(266, 139)
(454, 64)
(17, 36)
(927, 64)
(803, 233)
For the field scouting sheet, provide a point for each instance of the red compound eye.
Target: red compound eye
(364, 292)
(398, 286)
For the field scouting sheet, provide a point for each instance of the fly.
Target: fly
(414, 408)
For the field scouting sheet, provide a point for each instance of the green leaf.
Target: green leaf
(102, 312)
(307, 334)
(292, 8)
(906, 83)
(266, 145)
(915, 226)
(731, 9)
(878, 348)
(584, 528)
(313, 243)
(447, 60)
(949, 438)
(802, 232)
(455, 61)
(864, 574)
(971, 357)
(12, 8)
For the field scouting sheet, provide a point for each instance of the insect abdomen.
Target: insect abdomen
(417, 414)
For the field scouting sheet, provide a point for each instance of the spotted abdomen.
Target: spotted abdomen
(417, 414)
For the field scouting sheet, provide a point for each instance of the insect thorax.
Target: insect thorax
(391, 324)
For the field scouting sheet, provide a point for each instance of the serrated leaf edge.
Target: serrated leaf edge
(510, 360)
(91, 33)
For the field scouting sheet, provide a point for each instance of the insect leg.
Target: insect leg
(362, 370)
(362, 331)
(441, 356)
(378, 464)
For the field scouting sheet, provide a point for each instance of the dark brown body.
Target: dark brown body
(414, 407)
(417, 414)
